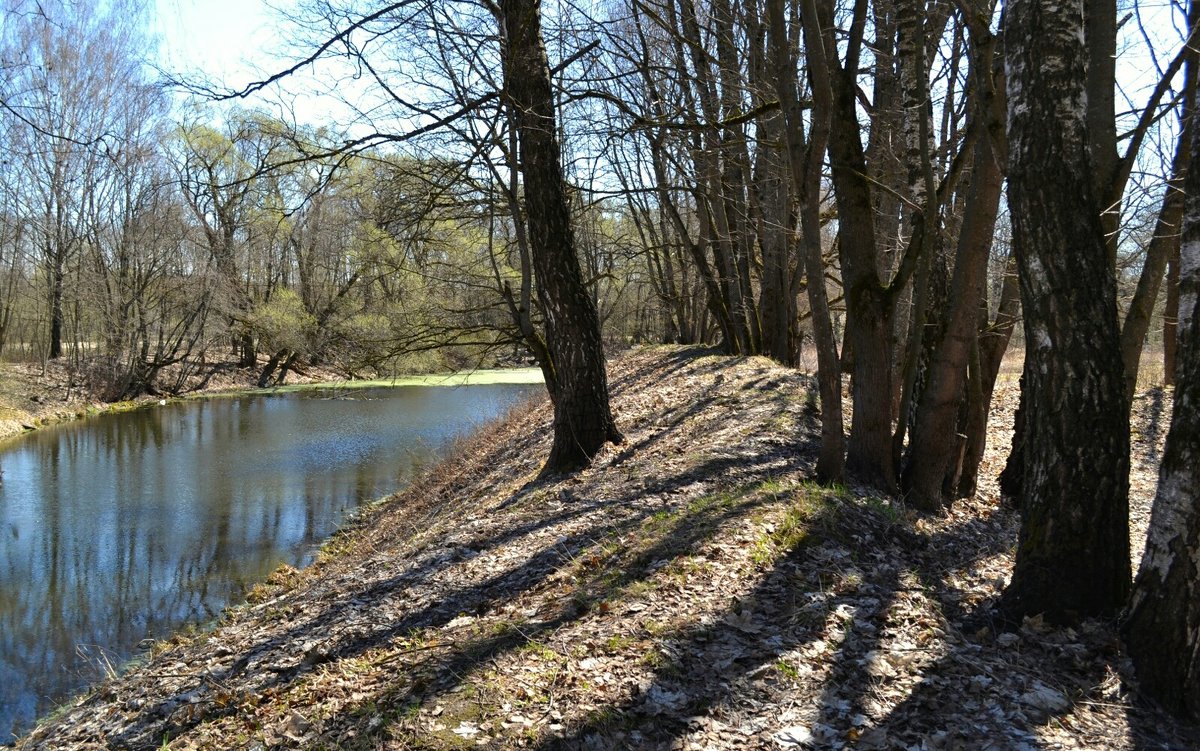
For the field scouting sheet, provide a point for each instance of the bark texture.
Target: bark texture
(805, 160)
(1073, 551)
(1163, 625)
(583, 420)
(936, 451)
(869, 302)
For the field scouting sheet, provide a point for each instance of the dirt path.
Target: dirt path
(691, 590)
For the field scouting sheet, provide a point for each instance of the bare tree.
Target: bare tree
(806, 157)
(1161, 626)
(583, 420)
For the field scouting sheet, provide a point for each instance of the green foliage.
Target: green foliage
(282, 322)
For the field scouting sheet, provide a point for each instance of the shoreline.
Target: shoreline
(693, 588)
(21, 389)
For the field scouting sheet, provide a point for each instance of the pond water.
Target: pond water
(127, 526)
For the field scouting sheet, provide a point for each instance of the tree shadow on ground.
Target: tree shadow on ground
(344, 624)
(1156, 422)
(1155, 730)
(990, 687)
(817, 616)
(955, 703)
(819, 619)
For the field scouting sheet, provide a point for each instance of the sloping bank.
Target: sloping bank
(31, 398)
(690, 590)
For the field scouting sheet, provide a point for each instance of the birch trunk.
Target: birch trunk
(1162, 629)
(1073, 550)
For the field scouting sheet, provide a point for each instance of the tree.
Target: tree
(72, 70)
(225, 176)
(936, 455)
(805, 160)
(1162, 626)
(583, 420)
(1164, 244)
(1073, 551)
(869, 299)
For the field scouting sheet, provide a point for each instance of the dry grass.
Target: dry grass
(691, 589)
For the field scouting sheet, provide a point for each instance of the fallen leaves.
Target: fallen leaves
(626, 607)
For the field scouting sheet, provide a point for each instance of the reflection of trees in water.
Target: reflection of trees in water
(141, 522)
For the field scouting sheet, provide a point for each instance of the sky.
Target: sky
(220, 38)
(230, 42)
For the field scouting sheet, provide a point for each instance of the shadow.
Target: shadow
(831, 636)
(1156, 730)
(885, 623)
(674, 418)
(1157, 421)
(287, 658)
(992, 683)
(439, 584)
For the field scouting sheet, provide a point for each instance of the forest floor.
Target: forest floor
(692, 589)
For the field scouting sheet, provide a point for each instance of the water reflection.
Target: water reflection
(127, 526)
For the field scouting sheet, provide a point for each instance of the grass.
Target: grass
(461, 378)
(514, 376)
(796, 526)
(787, 669)
(618, 643)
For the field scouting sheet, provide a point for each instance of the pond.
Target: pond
(127, 526)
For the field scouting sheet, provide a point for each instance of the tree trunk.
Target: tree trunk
(778, 314)
(869, 304)
(247, 352)
(1162, 627)
(935, 450)
(1100, 31)
(288, 366)
(1165, 243)
(992, 343)
(583, 420)
(1073, 550)
(264, 378)
(1171, 319)
(1011, 478)
(56, 311)
(1162, 246)
(805, 165)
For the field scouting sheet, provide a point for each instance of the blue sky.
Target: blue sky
(231, 43)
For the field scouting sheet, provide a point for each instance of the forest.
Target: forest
(892, 195)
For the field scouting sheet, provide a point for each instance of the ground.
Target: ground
(32, 396)
(693, 589)
(35, 395)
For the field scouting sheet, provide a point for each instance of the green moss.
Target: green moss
(540, 650)
(618, 643)
(787, 669)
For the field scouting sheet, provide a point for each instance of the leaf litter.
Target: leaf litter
(693, 589)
